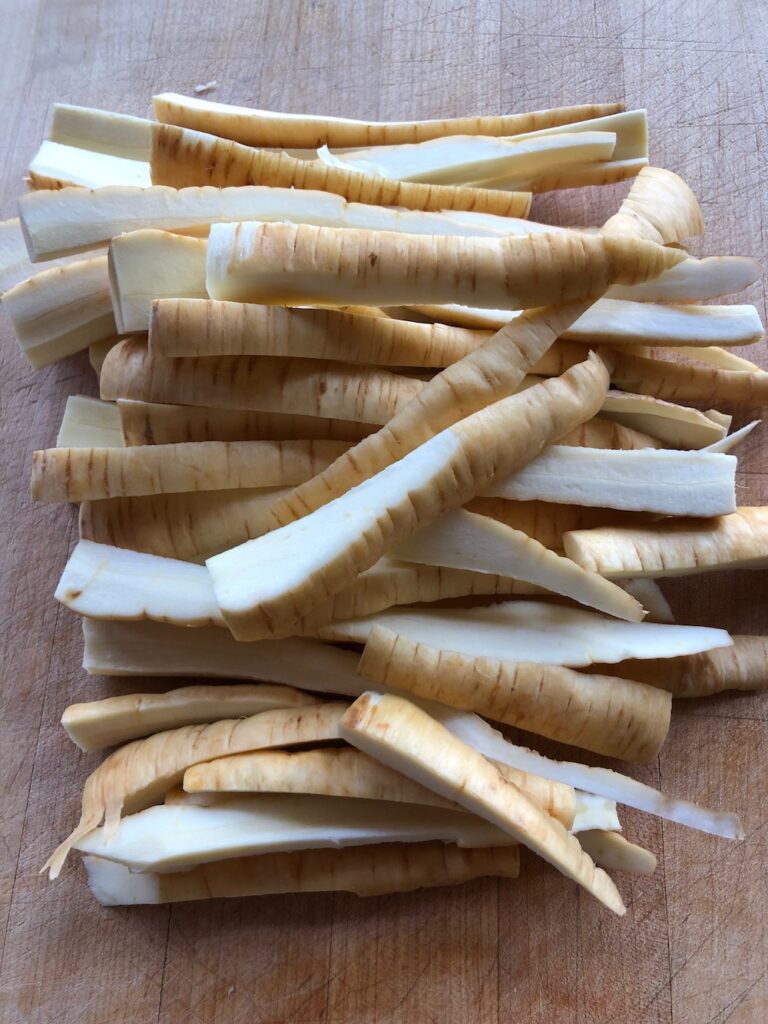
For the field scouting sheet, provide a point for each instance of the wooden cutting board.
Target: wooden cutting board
(693, 946)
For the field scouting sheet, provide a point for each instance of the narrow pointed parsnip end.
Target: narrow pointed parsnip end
(612, 851)
(402, 736)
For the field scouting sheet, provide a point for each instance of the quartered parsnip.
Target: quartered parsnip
(89, 423)
(614, 853)
(77, 474)
(743, 666)
(56, 165)
(137, 775)
(366, 871)
(602, 433)
(157, 423)
(115, 720)
(276, 384)
(660, 207)
(402, 736)
(676, 425)
(264, 586)
(181, 157)
(101, 131)
(689, 382)
(610, 716)
(739, 540)
(694, 280)
(288, 264)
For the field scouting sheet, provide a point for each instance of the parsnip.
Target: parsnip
(547, 634)
(601, 433)
(264, 586)
(601, 713)
(182, 158)
(694, 280)
(268, 128)
(274, 384)
(137, 775)
(116, 720)
(688, 382)
(465, 540)
(630, 127)
(660, 207)
(732, 441)
(102, 131)
(14, 258)
(303, 265)
(650, 596)
(743, 666)
(62, 310)
(97, 352)
(77, 474)
(89, 423)
(677, 425)
(605, 172)
(56, 165)
(400, 735)
(614, 853)
(646, 480)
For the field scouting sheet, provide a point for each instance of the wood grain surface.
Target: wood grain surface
(693, 947)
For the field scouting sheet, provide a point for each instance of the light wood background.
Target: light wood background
(692, 948)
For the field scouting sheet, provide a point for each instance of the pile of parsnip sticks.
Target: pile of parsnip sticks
(401, 460)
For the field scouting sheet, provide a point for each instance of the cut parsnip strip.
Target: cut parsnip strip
(139, 774)
(476, 732)
(102, 131)
(116, 720)
(347, 772)
(405, 738)
(181, 158)
(710, 354)
(547, 634)
(600, 433)
(614, 853)
(650, 596)
(733, 440)
(465, 540)
(89, 423)
(606, 172)
(743, 666)
(171, 838)
(660, 207)
(309, 131)
(677, 425)
(56, 166)
(735, 541)
(77, 474)
(196, 327)
(287, 264)
(273, 384)
(192, 525)
(601, 713)
(62, 310)
(368, 871)
(688, 382)
(75, 219)
(14, 258)
(146, 265)
(264, 586)
(630, 127)
(694, 280)
(97, 352)
(647, 480)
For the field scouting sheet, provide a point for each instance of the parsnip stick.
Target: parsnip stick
(62, 310)
(650, 596)
(101, 131)
(547, 634)
(262, 588)
(601, 713)
(465, 540)
(115, 720)
(272, 384)
(578, 175)
(694, 280)
(182, 158)
(630, 126)
(77, 474)
(710, 354)
(152, 423)
(137, 775)
(192, 525)
(614, 853)
(660, 207)
(743, 666)
(57, 166)
(304, 265)
(89, 423)
(677, 425)
(14, 258)
(267, 128)
(739, 540)
(370, 871)
(600, 433)
(733, 440)
(400, 735)
(688, 382)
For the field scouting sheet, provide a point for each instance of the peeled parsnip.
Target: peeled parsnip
(599, 172)
(465, 540)
(97, 352)
(733, 440)
(694, 280)
(605, 714)
(77, 474)
(650, 596)
(14, 258)
(61, 310)
(156, 423)
(660, 207)
(677, 425)
(89, 423)
(689, 382)
(405, 738)
(601, 433)
(101, 131)
(366, 871)
(116, 720)
(614, 853)
(274, 384)
(56, 165)
(648, 323)
(303, 265)
(139, 774)
(192, 525)
(739, 540)
(181, 157)
(264, 586)
(743, 666)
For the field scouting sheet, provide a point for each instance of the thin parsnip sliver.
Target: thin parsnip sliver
(615, 853)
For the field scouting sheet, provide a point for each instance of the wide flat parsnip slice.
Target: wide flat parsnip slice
(89, 423)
